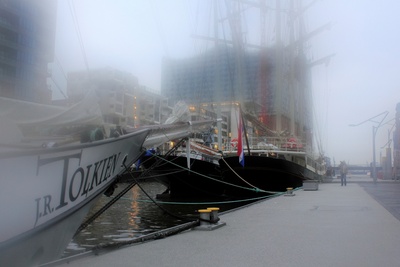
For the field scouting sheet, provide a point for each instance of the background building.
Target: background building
(148, 107)
(211, 77)
(279, 96)
(123, 101)
(27, 37)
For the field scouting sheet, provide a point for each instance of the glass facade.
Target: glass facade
(27, 37)
(280, 96)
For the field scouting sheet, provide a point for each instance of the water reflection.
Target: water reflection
(132, 216)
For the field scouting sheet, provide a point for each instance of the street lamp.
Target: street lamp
(387, 167)
(389, 131)
(374, 130)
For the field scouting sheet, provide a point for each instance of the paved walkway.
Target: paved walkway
(334, 226)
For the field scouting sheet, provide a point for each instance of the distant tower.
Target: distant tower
(27, 37)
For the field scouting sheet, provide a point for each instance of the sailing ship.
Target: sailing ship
(55, 163)
(191, 170)
(193, 174)
(272, 87)
(269, 169)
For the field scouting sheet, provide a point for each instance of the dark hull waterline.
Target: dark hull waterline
(206, 179)
(264, 173)
(200, 181)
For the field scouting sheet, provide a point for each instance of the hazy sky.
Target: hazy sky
(361, 81)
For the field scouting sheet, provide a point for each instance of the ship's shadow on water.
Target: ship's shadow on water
(135, 215)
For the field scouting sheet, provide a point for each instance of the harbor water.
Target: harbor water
(135, 215)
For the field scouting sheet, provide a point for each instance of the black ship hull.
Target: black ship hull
(202, 180)
(264, 173)
(209, 180)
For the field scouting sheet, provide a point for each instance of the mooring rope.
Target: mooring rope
(124, 191)
(104, 208)
(254, 189)
(157, 204)
(166, 232)
(208, 202)
(152, 236)
(239, 175)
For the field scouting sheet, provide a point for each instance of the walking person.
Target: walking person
(343, 172)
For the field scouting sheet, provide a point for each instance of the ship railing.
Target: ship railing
(269, 143)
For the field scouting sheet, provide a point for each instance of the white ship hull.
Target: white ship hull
(46, 193)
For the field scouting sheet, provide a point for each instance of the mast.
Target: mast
(263, 65)
(278, 74)
(238, 48)
(289, 94)
(218, 79)
(292, 83)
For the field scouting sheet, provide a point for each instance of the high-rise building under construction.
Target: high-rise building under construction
(279, 95)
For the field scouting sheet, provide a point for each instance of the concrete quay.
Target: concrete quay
(333, 226)
(359, 178)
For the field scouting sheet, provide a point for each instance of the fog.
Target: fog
(360, 81)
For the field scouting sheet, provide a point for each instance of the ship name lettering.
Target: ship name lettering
(43, 207)
(82, 181)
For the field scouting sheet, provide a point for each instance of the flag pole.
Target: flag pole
(244, 129)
